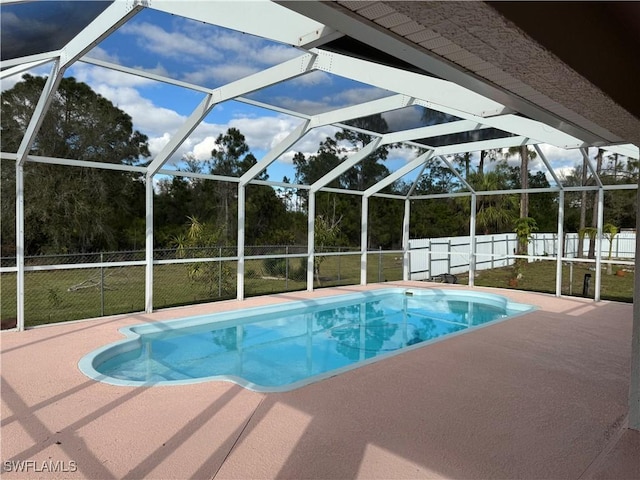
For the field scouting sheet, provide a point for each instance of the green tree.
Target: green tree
(199, 240)
(326, 235)
(609, 231)
(524, 229)
(230, 157)
(74, 209)
(345, 207)
(525, 154)
(495, 213)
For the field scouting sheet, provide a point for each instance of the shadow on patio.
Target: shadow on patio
(539, 396)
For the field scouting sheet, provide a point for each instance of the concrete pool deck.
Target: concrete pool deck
(543, 395)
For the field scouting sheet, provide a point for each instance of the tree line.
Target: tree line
(70, 209)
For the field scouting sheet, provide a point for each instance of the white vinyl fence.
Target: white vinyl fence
(436, 256)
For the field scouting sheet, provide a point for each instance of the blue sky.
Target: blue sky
(212, 56)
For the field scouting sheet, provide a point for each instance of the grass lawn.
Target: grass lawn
(62, 295)
(541, 277)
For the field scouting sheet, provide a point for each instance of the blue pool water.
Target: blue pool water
(282, 347)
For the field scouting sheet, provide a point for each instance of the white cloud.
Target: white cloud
(100, 53)
(203, 149)
(403, 153)
(353, 96)
(220, 73)
(9, 82)
(403, 118)
(227, 55)
(170, 44)
(314, 78)
(156, 144)
(93, 76)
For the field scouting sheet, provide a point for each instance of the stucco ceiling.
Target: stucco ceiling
(568, 64)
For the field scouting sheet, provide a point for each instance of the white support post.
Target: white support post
(46, 97)
(472, 234)
(363, 240)
(560, 250)
(241, 224)
(405, 240)
(20, 246)
(634, 381)
(311, 238)
(148, 278)
(596, 296)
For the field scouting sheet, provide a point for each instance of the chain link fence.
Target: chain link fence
(71, 287)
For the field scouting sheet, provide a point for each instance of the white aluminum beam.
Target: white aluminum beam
(628, 150)
(484, 145)
(260, 18)
(39, 112)
(311, 238)
(85, 164)
(10, 72)
(241, 230)
(284, 71)
(381, 105)
(200, 112)
(548, 165)
(599, 226)
(364, 233)
(431, 196)
(634, 381)
(389, 195)
(148, 245)
(101, 27)
(204, 176)
(20, 243)
(560, 249)
(368, 33)
(472, 246)
(273, 154)
(339, 190)
(423, 87)
(114, 16)
(592, 169)
(456, 173)
(415, 182)
(20, 62)
(346, 165)
(515, 124)
(144, 74)
(432, 131)
(406, 266)
(401, 172)
(273, 108)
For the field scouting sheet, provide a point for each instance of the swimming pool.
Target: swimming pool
(285, 346)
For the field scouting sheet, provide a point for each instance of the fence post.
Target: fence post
(429, 259)
(380, 265)
(506, 240)
(339, 265)
(449, 256)
(101, 285)
(493, 251)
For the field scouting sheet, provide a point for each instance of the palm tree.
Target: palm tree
(525, 155)
(495, 213)
(524, 229)
(609, 231)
